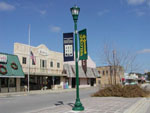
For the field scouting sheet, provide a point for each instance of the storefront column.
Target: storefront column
(8, 83)
(0, 84)
(17, 84)
(62, 82)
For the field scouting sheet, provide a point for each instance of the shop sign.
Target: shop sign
(3, 58)
(68, 47)
(83, 44)
(43, 52)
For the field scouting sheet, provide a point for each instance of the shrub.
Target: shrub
(122, 91)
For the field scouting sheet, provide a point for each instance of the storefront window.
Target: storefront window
(56, 80)
(4, 82)
(12, 82)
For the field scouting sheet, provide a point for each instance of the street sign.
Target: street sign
(68, 46)
(83, 45)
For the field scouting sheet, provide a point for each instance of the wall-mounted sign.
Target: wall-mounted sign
(43, 52)
(3, 58)
(68, 46)
(83, 44)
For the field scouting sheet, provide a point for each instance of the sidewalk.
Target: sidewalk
(102, 105)
(37, 92)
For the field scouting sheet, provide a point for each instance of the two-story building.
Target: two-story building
(109, 76)
(44, 67)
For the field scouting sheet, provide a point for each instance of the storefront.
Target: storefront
(86, 79)
(10, 73)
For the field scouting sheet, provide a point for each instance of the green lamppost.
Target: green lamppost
(75, 12)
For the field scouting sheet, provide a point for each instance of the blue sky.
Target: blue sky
(125, 23)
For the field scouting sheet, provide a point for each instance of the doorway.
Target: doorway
(73, 82)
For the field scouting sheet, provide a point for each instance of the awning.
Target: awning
(70, 69)
(10, 66)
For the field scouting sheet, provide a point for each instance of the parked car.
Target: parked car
(130, 82)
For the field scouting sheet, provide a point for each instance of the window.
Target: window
(43, 63)
(12, 82)
(58, 65)
(99, 72)
(56, 80)
(103, 72)
(33, 61)
(107, 72)
(24, 60)
(51, 64)
(4, 82)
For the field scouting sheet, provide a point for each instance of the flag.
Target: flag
(32, 57)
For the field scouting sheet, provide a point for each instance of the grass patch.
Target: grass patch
(122, 91)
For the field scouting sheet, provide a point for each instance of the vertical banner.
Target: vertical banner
(68, 47)
(83, 45)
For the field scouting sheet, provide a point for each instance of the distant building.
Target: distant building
(10, 73)
(107, 75)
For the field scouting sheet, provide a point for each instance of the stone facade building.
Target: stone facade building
(46, 66)
(108, 75)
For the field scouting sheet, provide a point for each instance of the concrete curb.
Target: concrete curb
(35, 92)
(39, 92)
(139, 107)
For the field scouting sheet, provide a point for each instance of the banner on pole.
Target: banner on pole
(68, 47)
(83, 45)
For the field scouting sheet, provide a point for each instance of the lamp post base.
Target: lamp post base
(78, 106)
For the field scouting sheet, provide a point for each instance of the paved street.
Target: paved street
(62, 101)
(27, 103)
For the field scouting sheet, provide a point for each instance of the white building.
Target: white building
(47, 70)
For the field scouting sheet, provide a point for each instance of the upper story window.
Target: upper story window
(103, 72)
(24, 60)
(51, 64)
(106, 72)
(99, 72)
(58, 65)
(43, 63)
(33, 61)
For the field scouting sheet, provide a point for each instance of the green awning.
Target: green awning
(6, 61)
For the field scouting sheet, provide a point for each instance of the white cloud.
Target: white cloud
(140, 13)
(6, 7)
(55, 29)
(144, 51)
(148, 2)
(100, 13)
(136, 2)
(43, 12)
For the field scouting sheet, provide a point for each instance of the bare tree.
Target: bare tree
(118, 61)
